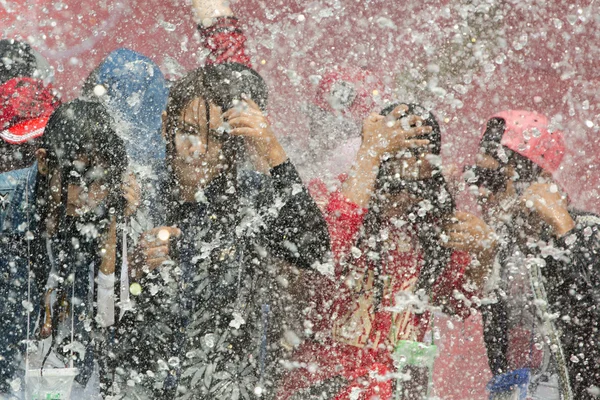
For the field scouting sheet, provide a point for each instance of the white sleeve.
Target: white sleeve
(106, 299)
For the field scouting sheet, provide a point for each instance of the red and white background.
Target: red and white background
(467, 59)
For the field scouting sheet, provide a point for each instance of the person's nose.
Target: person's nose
(196, 146)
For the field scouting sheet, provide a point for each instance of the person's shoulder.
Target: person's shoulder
(585, 218)
(15, 178)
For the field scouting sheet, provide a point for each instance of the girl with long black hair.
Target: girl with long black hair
(392, 265)
(79, 207)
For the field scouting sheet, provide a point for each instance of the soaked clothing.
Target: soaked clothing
(16, 218)
(212, 320)
(513, 332)
(229, 299)
(356, 327)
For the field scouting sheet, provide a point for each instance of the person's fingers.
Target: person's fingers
(251, 103)
(414, 120)
(464, 237)
(374, 117)
(463, 216)
(158, 251)
(399, 111)
(246, 132)
(243, 122)
(417, 143)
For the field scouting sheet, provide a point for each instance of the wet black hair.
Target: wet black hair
(429, 221)
(16, 60)
(222, 85)
(76, 129)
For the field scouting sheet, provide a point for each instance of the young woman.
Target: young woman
(386, 224)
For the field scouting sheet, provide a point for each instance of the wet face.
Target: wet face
(199, 157)
(87, 187)
(407, 167)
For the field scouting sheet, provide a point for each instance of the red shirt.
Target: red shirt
(355, 334)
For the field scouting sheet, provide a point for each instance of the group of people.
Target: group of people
(156, 235)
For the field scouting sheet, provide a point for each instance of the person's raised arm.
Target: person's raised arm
(206, 12)
(381, 135)
(220, 32)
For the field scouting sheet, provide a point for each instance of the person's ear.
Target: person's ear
(42, 159)
(163, 129)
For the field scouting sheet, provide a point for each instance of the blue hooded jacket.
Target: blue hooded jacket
(135, 93)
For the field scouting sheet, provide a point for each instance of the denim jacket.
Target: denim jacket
(16, 206)
(16, 188)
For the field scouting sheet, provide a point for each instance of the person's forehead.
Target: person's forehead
(87, 161)
(194, 112)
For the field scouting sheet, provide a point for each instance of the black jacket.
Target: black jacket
(212, 321)
(572, 283)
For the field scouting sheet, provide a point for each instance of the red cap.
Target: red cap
(24, 131)
(25, 106)
(353, 91)
(527, 133)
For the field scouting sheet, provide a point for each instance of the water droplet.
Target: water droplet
(163, 235)
(557, 23)
(209, 340)
(135, 289)
(99, 90)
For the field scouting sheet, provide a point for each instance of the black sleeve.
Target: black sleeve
(296, 230)
(578, 287)
(582, 247)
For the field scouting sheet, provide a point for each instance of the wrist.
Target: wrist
(563, 225)
(276, 156)
(369, 154)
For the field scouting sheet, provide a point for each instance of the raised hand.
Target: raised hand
(152, 250)
(546, 202)
(394, 132)
(469, 233)
(248, 121)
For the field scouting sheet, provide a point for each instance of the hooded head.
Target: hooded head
(135, 93)
(516, 149)
(525, 133)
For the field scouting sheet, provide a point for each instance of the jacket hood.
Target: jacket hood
(25, 106)
(135, 92)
